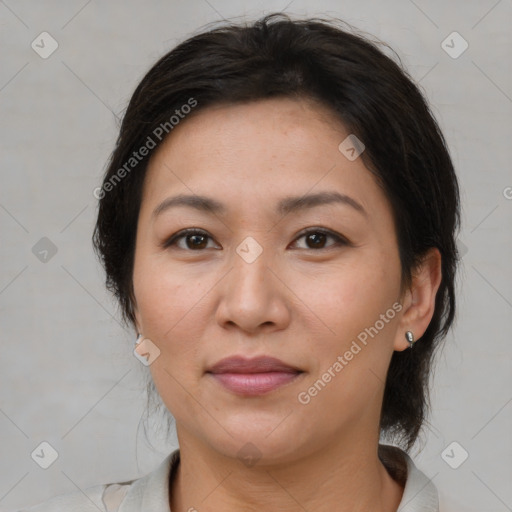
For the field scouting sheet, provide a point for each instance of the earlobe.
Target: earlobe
(421, 295)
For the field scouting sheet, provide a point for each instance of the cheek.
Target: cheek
(168, 308)
(353, 352)
(164, 295)
(348, 302)
(349, 296)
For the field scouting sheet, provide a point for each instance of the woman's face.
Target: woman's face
(254, 283)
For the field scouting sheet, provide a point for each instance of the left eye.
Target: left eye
(318, 236)
(197, 239)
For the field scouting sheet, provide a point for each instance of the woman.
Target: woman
(278, 223)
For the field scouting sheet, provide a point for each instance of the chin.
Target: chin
(256, 438)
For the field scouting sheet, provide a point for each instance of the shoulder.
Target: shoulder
(103, 498)
(420, 494)
(134, 495)
(88, 501)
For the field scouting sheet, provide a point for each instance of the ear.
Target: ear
(419, 299)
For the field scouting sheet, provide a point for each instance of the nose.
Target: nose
(253, 297)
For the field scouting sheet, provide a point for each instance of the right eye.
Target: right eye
(195, 237)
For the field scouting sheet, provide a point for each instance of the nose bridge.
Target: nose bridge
(250, 261)
(251, 295)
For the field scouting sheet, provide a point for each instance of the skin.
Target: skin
(301, 303)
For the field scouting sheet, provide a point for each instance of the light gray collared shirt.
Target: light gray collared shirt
(151, 492)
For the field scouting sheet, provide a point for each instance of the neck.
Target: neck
(347, 477)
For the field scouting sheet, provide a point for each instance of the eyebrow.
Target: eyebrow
(285, 206)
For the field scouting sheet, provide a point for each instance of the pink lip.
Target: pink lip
(252, 377)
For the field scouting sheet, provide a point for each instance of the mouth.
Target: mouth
(253, 377)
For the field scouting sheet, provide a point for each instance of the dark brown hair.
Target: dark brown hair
(375, 99)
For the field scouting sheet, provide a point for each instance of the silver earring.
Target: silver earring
(139, 338)
(409, 336)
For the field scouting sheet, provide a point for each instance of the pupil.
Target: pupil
(316, 236)
(195, 237)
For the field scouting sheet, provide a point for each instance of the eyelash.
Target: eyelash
(339, 240)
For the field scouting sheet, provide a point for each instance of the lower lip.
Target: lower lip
(253, 384)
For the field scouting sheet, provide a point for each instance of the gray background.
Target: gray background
(68, 375)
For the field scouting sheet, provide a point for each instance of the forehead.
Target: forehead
(252, 153)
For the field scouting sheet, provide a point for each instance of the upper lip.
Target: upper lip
(262, 364)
